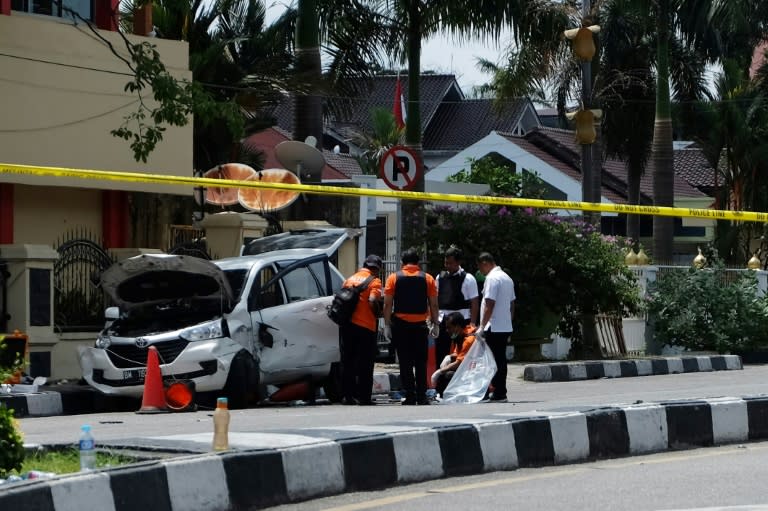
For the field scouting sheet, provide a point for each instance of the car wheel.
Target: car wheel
(332, 384)
(242, 384)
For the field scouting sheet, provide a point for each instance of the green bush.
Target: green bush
(560, 265)
(11, 444)
(700, 310)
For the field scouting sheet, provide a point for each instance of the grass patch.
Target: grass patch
(67, 460)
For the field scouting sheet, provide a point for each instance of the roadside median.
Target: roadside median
(589, 369)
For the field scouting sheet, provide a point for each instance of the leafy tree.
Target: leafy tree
(732, 130)
(502, 178)
(239, 65)
(560, 265)
(623, 80)
(398, 27)
(383, 136)
(717, 30)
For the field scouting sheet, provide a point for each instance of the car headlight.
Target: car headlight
(103, 341)
(212, 330)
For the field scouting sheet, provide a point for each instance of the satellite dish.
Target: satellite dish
(226, 196)
(303, 160)
(264, 200)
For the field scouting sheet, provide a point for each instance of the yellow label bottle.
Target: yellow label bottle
(221, 425)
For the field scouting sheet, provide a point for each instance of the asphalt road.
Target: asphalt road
(524, 397)
(729, 477)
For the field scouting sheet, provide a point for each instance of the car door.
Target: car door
(288, 304)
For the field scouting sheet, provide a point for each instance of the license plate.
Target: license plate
(135, 374)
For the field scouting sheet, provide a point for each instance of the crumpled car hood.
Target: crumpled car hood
(159, 279)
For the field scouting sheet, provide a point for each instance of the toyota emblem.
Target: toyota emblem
(141, 342)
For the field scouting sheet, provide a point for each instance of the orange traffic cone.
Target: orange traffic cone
(180, 396)
(153, 400)
(431, 362)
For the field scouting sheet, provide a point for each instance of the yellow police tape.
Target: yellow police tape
(138, 177)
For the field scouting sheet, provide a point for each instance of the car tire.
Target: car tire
(332, 384)
(242, 385)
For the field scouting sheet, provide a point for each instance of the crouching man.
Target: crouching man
(462, 336)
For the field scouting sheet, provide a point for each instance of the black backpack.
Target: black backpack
(345, 300)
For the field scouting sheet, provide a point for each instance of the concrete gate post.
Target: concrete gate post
(30, 300)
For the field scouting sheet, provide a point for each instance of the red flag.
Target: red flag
(398, 109)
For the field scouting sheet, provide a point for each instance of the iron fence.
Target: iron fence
(189, 241)
(729, 275)
(78, 304)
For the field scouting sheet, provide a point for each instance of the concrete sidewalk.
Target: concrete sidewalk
(72, 399)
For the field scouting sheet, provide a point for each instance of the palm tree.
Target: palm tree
(733, 134)
(383, 136)
(720, 30)
(661, 148)
(627, 97)
(307, 108)
(237, 58)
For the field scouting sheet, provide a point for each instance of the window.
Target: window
(51, 8)
(301, 285)
(265, 297)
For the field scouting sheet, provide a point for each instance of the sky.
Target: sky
(441, 54)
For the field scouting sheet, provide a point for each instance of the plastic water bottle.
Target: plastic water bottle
(221, 425)
(87, 449)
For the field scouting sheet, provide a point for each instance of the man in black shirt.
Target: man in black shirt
(456, 292)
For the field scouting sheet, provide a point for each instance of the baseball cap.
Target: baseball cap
(373, 261)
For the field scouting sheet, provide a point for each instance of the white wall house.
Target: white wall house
(568, 184)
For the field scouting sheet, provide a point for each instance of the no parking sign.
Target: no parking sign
(400, 168)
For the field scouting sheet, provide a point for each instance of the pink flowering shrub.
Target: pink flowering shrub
(560, 264)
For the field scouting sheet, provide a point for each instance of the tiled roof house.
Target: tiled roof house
(449, 121)
(554, 155)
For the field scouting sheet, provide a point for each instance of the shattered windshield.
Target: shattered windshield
(306, 238)
(236, 280)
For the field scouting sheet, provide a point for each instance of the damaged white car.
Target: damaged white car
(233, 325)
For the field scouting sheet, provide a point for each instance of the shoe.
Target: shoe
(497, 399)
(348, 401)
(422, 402)
(366, 402)
(409, 401)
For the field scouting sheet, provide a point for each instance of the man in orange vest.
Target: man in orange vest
(358, 337)
(410, 300)
(462, 337)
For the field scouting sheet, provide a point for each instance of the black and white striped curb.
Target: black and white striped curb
(309, 463)
(570, 371)
(38, 404)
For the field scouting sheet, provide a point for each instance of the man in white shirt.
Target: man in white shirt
(456, 292)
(496, 312)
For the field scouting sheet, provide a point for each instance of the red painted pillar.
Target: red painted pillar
(105, 13)
(6, 213)
(114, 218)
(5, 7)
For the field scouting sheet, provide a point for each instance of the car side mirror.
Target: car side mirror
(112, 313)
